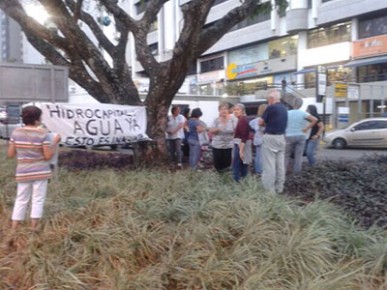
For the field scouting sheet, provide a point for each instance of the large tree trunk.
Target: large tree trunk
(158, 101)
(69, 45)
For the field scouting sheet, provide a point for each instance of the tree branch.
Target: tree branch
(195, 15)
(120, 14)
(93, 25)
(16, 11)
(81, 45)
(77, 10)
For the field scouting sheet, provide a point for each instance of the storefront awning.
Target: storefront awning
(305, 71)
(367, 61)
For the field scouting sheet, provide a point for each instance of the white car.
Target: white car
(371, 132)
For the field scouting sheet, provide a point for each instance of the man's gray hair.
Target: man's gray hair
(275, 94)
(297, 103)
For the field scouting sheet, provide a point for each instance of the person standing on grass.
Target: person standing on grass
(33, 149)
(241, 156)
(222, 131)
(299, 123)
(195, 127)
(258, 138)
(275, 119)
(175, 135)
(316, 132)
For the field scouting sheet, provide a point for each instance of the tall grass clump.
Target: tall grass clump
(153, 229)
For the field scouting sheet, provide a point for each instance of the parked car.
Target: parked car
(371, 132)
(6, 129)
(9, 120)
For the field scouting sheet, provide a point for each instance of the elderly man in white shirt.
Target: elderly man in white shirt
(175, 135)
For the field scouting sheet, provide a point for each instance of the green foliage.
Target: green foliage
(153, 229)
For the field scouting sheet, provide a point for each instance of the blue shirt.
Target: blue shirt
(296, 122)
(192, 125)
(276, 119)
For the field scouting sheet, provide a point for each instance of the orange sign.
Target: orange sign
(369, 46)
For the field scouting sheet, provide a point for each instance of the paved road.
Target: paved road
(326, 153)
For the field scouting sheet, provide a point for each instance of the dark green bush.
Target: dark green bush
(359, 187)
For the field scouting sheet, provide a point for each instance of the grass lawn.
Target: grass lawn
(158, 229)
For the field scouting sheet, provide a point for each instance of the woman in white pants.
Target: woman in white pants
(33, 149)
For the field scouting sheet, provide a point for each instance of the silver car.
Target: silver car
(371, 132)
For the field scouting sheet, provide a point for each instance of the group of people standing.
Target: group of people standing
(280, 137)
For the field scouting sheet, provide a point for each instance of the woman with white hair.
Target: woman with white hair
(242, 144)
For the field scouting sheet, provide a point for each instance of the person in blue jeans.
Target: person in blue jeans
(299, 124)
(315, 134)
(241, 142)
(195, 127)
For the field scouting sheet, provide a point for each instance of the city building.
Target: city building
(10, 40)
(284, 49)
(345, 39)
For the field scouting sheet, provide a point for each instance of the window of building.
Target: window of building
(192, 69)
(372, 73)
(216, 2)
(141, 6)
(329, 35)
(212, 64)
(206, 89)
(262, 16)
(154, 48)
(283, 47)
(154, 26)
(373, 27)
(335, 74)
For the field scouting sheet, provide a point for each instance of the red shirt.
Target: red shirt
(242, 130)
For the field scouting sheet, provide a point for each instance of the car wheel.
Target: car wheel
(339, 143)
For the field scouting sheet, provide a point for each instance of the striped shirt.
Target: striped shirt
(29, 143)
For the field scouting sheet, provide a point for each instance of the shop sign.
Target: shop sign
(370, 46)
(235, 71)
(321, 83)
(341, 90)
(353, 92)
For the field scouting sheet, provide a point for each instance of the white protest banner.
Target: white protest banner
(95, 124)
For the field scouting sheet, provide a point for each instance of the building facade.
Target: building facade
(348, 38)
(10, 40)
(278, 49)
(285, 48)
